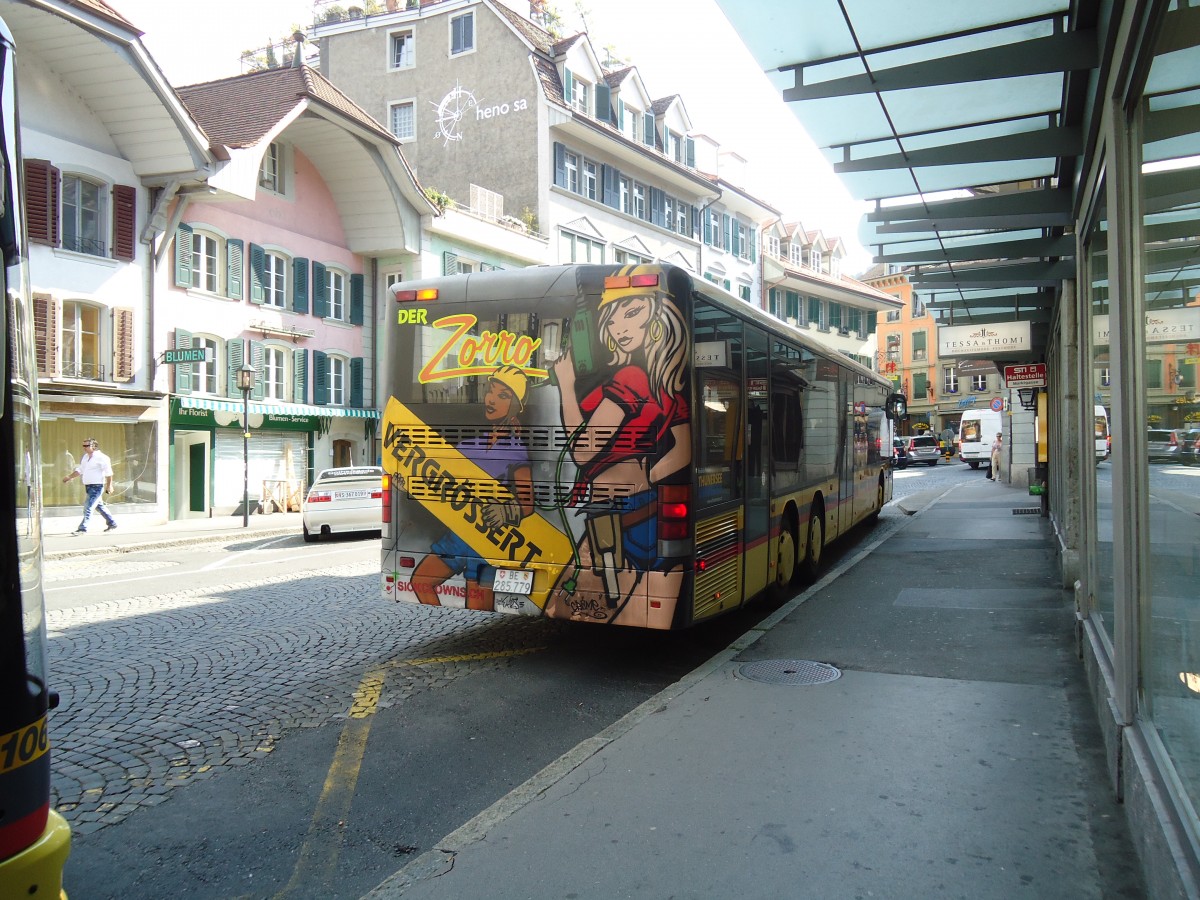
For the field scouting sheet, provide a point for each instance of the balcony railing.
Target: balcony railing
(78, 244)
(84, 371)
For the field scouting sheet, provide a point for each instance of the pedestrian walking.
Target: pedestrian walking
(994, 462)
(95, 471)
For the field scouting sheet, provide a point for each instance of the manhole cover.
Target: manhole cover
(789, 671)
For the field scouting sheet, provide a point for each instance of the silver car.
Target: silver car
(922, 448)
(1162, 444)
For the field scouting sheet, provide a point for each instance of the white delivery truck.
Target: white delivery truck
(976, 431)
(1103, 439)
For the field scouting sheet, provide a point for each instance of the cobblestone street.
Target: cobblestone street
(162, 690)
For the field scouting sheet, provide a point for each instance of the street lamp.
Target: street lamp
(245, 382)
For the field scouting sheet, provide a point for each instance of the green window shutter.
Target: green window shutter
(300, 285)
(258, 361)
(357, 285)
(920, 382)
(258, 273)
(724, 231)
(666, 139)
(753, 244)
(620, 114)
(320, 291)
(814, 310)
(183, 371)
(235, 355)
(356, 382)
(918, 343)
(449, 263)
(872, 321)
(233, 268)
(568, 86)
(727, 284)
(708, 226)
(320, 378)
(690, 153)
(183, 257)
(773, 301)
(793, 304)
(648, 130)
(299, 376)
(603, 102)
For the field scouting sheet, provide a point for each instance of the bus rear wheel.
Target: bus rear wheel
(816, 544)
(785, 565)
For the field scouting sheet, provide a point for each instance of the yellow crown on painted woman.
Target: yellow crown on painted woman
(631, 281)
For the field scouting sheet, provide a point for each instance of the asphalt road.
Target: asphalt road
(260, 723)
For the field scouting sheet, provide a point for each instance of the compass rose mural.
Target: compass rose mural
(451, 110)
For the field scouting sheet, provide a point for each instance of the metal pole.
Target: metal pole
(245, 458)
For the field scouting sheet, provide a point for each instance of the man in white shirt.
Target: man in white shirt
(95, 470)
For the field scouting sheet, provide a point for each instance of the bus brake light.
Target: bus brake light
(424, 295)
(673, 512)
(386, 495)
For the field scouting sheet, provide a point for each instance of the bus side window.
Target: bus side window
(787, 431)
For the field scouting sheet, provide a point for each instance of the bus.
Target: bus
(616, 445)
(34, 839)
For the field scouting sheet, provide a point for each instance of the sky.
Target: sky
(684, 47)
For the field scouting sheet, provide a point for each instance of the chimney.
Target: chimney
(298, 53)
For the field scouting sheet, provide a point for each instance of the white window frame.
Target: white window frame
(621, 256)
(979, 383)
(581, 94)
(276, 283)
(893, 315)
(339, 375)
(275, 372)
(949, 380)
(795, 254)
(200, 260)
(335, 293)
(410, 51)
(816, 259)
(626, 188)
(571, 163)
(772, 243)
(270, 170)
(394, 105)
(468, 14)
(72, 365)
(572, 242)
(206, 375)
(590, 180)
(633, 117)
(102, 239)
(639, 201)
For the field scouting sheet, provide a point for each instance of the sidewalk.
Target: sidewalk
(957, 755)
(131, 536)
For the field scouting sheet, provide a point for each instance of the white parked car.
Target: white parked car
(344, 500)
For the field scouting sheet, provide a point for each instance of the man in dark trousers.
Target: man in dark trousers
(95, 471)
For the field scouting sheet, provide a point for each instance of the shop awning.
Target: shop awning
(276, 409)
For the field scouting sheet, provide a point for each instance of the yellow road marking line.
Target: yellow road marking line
(318, 858)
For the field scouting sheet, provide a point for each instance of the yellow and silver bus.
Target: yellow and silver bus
(615, 444)
(34, 839)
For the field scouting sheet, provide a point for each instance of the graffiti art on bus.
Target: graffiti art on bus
(609, 410)
(618, 428)
(481, 490)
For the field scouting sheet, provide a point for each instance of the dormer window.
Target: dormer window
(816, 259)
(270, 174)
(581, 95)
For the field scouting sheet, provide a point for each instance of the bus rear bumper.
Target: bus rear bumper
(38, 869)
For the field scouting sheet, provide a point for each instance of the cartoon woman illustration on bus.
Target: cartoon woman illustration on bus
(503, 455)
(617, 429)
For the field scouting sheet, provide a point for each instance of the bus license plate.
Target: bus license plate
(513, 581)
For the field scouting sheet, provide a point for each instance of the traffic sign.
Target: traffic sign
(998, 404)
(1032, 375)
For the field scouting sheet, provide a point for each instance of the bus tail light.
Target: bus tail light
(386, 494)
(626, 281)
(673, 512)
(422, 296)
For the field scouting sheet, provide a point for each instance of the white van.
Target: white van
(1103, 438)
(976, 431)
